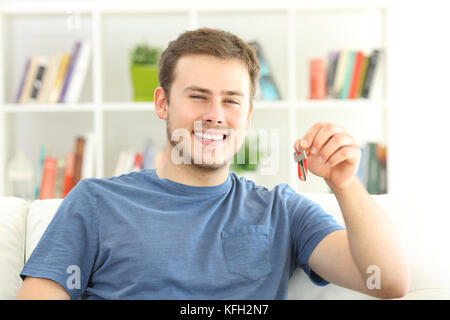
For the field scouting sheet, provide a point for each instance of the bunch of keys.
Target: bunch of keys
(302, 163)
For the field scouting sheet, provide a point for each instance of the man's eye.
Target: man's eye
(232, 101)
(198, 97)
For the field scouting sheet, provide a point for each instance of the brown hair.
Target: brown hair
(208, 41)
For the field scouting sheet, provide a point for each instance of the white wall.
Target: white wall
(419, 71)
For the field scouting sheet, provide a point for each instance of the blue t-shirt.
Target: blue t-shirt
(137, 236)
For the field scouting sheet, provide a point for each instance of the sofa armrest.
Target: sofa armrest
(40, 214)
(12, 245)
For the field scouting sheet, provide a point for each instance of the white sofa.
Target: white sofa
(422, 228)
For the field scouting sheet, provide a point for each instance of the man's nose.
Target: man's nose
(215, 113)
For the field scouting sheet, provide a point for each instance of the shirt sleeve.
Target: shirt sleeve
(66, 251)
(309, 224)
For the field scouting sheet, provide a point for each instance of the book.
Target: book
(57, 86)
(339, 78)
(49, 78)
(37, 83)
(137, 166)
(39, 170)
(88, 162)
(125, 162)
(48, 178)
(267, 83)
(148, 156)
(348, 75)
(120, 164)
(364, 65)
(333, 58)
(29, 79)
(374, 56)
(22, 81)
(317, 81)
(70, 68)
(381, 154)
(372, 170)
(78, 160)
(359, 58)
(79, 73)
(68, 173)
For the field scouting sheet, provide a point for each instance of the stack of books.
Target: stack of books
(56, 177)
(348, 74)
(131, 160)
(55, 79)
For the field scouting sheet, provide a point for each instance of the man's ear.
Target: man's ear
(161, 103)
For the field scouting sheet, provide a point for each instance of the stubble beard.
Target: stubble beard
(189, 158)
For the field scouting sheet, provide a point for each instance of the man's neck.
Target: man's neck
(191, 175)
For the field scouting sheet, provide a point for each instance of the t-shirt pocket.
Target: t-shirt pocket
(246, 251)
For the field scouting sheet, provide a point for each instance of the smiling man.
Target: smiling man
(192, 229)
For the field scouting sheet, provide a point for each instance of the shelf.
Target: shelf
(148, 106)
(341, 104)
(54, 7)
(127, 106)
(299, 30)
(39, 107)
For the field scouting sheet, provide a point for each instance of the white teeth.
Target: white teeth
(209, 136)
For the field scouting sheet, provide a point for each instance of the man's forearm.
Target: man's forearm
(372, 238)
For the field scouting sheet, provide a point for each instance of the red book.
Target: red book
(318, 79)
(48, 178)
(356, 75)
(68, 173)
(78, 159)
(137, 162)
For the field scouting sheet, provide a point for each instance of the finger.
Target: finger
(297, 145)
(308, 138)
(324, 134)
(347, 153)
(336, 142)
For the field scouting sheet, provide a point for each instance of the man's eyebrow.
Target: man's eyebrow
(204, 90)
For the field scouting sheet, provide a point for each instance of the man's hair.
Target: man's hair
(217, 43)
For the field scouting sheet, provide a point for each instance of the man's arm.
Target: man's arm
(370, 244)
(41, 289)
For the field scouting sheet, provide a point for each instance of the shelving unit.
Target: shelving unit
(290, 32)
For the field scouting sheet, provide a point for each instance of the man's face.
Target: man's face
(209, 108)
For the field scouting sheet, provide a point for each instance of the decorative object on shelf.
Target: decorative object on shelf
(144, 71)
(248, 157)
(267, 85)
(20, 176)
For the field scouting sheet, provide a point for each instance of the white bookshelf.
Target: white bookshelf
(290, 32)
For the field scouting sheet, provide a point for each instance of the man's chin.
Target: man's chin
(209, 166)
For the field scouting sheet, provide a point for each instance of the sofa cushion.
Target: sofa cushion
(421, 222)
(39, 216)
(12, 230)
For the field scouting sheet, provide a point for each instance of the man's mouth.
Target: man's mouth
(210, 137)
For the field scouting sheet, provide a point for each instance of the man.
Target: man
(192, 230)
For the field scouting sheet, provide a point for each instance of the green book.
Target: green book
(373, 169)
(348, 75)
(362, 78)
